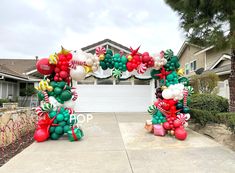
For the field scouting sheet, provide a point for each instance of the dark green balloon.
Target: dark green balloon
(59, 130)
(66, 128)
(52, 129)
(54, 136)
(57, 90)
(61, 84)
(65, 95)
(62, 123)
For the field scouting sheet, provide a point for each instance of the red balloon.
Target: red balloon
(63, 74)
(177, 123)
(180, 133)
(64, 67)
(44, 67)
(69, 56)
(41, 134)
(57, 70)
(56, 78)
(166, 125)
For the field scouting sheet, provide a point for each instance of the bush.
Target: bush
(209, 102)
(203, 117)
(205, 83)
(228, 119)
(3, 101)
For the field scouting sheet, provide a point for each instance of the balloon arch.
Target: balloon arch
(170, 112)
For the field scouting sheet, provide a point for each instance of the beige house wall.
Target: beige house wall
(213, 55)
(188, 56)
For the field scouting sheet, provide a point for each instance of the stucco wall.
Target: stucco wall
(213, 55)
(188, 56)
(15, 122)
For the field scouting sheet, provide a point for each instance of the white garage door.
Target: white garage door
(114, 98)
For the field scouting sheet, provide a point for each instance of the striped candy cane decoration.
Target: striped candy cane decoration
(185, 96)
(182, 118)
(159, 106)
(75, 95)
(74, 63)
(71, 111)
(45, 96)
(99, 51)
(39, 111)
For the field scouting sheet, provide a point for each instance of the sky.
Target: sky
(32, 28)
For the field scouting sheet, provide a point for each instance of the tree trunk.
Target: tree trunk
(232, 83)
(232, 75)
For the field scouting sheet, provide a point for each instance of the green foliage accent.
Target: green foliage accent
(203, 117)
(205, 83)
(209, 102)
(204, 21)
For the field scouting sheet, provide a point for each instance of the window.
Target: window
(193, 65)
(186, 68)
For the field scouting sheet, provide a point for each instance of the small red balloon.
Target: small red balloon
(166, 125)
(63, 74)
(180, 133)
(57, 70)
(41, 135)
(44, 67)
(177, 123)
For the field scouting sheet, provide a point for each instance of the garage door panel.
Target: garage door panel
(111, 98)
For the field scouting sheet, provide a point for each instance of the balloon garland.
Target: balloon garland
(169, 112)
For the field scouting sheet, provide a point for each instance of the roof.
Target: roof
(94, 45)
(223, 57)
(19, 65)
(5, 70)
(204, 50)
(226, 69)
(183, 47)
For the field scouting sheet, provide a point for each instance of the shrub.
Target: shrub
(227, 118)
(209, 102)
(3, 101)
(205, 83)
(203, 117)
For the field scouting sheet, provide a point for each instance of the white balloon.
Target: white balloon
(78, 74)
(166, 94)
(54, 102)
(187, 116)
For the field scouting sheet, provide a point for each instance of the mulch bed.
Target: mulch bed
(6, 153)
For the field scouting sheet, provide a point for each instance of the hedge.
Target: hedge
(203, 117)
(209, 102)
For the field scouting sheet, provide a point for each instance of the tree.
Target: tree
(209, 22)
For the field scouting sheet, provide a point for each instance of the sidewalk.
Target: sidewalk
(118, 142)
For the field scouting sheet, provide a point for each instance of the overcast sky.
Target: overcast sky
(38, 27)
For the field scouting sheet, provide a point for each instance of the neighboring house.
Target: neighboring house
(13, 78)
(193, 58)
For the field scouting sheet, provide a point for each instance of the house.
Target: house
(194, 58)
(99, 92)
(13, 78)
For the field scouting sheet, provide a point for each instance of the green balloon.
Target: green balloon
(57, 90)
(59, 130)
(54, 136)
(66, 128)
(40, 95)
(124, 59)
(154, 121)
(174, 59)
(117, 56)
(60, 117)
(109, 52)
(169, 77)
(61, 84)
(52, 114)
(66, 95)
(184, 81)
(53, 84)
(55, 121)
(52, 129)
(62, 123)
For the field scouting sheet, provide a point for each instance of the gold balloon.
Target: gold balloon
(163, 87)
(180, 72)
(101, 57)
(64, 51)
(88, 69)
(129, 57)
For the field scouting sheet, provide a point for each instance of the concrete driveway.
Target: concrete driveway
(117, 142)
